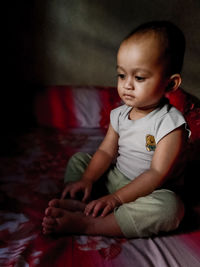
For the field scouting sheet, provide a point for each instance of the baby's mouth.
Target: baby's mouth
(128, 96)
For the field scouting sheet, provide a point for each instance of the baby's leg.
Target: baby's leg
(160, 211)
(68, 204)
(62, 221)
(75, 168)
(66, 216)
(74, 171)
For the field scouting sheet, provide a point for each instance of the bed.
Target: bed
(71, 119)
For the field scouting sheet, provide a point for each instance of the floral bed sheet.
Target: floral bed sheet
(32, 176)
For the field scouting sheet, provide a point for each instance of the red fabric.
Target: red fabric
(55, 108)
(28, 181)
(110, 100)
(190, 107)
(35, 175)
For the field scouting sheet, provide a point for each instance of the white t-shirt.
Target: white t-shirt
(138, 138)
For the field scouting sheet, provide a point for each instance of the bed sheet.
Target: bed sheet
(33, 175)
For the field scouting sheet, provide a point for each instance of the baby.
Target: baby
(145, 139)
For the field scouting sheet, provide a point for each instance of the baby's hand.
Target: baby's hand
(105, 204)
(73, 188)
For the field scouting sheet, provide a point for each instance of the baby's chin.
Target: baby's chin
(128, 103)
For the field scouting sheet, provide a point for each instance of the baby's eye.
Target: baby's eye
(121, 76)
(139, 78)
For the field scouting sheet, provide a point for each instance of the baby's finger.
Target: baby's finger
(106, 210)
(89, 208)
(99, 206)
(65, 192)
(73, 193)
(86, 195)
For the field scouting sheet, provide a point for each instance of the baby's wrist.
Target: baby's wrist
(118, 198)
(87, 179)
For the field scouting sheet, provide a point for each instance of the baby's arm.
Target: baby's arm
(99, 163)
(164, 160)
(165, 157)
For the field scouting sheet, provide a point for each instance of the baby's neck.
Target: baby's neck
(138, 113)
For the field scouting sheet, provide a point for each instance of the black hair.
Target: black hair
(173, 41)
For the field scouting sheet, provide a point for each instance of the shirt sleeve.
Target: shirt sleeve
(114, 118)
(169, 122)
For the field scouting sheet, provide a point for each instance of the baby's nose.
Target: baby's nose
(128, 84)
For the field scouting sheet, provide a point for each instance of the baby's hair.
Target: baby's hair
(172, 40)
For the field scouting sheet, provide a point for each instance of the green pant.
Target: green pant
(160, 211)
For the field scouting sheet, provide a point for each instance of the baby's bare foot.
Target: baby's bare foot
(68, 204)
(62, 221)
(48, 224)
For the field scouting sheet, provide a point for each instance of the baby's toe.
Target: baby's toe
(53, 212)
(49, 221)
(54, 203)
(47, 231)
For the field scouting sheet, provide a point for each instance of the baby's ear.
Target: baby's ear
(174, 82)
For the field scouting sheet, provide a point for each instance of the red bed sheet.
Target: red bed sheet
(32, 177)
(33, 174)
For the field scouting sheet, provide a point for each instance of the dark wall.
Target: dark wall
(20, 80)
(76, 41)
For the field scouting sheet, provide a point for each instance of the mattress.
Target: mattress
(32, 173)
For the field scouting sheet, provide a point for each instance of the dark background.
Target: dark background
(56, 42)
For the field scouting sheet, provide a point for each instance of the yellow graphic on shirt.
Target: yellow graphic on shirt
(150, 143)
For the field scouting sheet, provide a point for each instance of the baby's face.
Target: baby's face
(141, 72)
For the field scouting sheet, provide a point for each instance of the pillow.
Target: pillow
(65, 107)
(189, 105)
(75, 106)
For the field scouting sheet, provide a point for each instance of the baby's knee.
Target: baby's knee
(80, 157)
(161, 211)
(168, 211)
(76, 166)
(172, 211)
